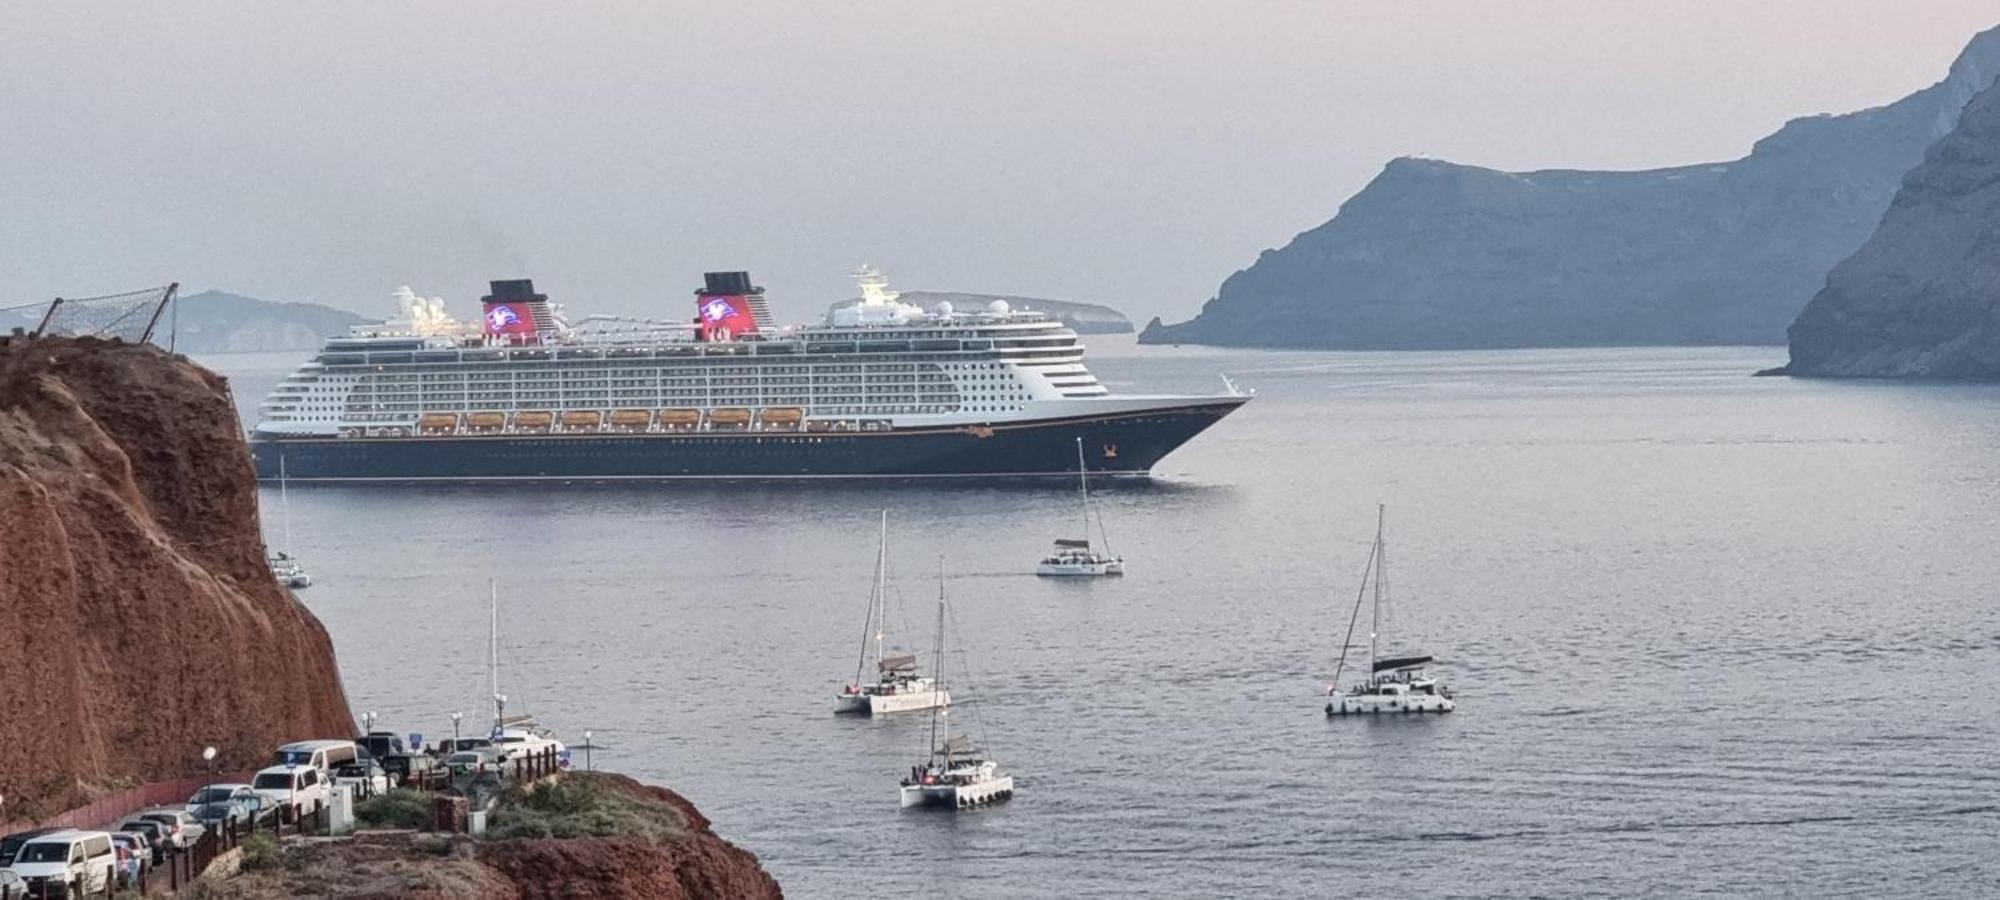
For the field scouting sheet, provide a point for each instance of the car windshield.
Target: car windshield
(34, 853)
(273, 781)
(212, 795)
(148, 827)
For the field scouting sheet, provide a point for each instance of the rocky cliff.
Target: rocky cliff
(1921, 299)
(1434, 254)
(1084, 318)
(138, 620)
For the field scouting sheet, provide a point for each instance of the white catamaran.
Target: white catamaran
(898, 687)
(1396, 684)
(956, 775)
(1075, 557)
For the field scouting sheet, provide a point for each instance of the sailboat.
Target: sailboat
(955, 775)
(284, 568)
(518, 736)
(1075, 556)
(898, 686)
(1395, 684)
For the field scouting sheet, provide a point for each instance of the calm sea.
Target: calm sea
(1709, 633)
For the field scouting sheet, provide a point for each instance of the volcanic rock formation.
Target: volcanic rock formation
(1921, 299)
(1434, 254)
(139, 622)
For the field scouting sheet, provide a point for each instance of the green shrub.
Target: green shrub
(579, 806)
(400, 808)
(261, 851)
(433, 845)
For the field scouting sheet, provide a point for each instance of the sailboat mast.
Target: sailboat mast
(937, 659)
(881, 604)
(1381, 561)
(493, 644)
(1083, 487)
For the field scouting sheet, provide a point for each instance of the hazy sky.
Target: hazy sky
(1130, 153)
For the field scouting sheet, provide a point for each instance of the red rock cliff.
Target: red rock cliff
(138, 620)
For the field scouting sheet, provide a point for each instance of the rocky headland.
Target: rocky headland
(1921, 299)
(222, 322)
(139, 622)
(1439, 255)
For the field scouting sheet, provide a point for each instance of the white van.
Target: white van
(304, 788)
(68, 864)
(322, 755)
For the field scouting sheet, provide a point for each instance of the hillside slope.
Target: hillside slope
(1921, 299)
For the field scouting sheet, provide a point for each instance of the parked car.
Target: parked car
(300, 787)
(136, 854)
(383, 744)
(11, 844)
(68, 864)
(366, 775)
(413, 770)
(322, 755)
(445, 748)
(154, 833)
(468, 762)
(182, 826)
(12, 886)
(246, 806)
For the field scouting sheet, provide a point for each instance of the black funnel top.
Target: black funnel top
(513, 291)
(727, 283)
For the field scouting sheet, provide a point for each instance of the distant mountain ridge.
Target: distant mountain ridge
(1438, 255)
(222, 322)
(1084, 318)
(1921, 299)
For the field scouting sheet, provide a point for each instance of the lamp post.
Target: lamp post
(367, 722)
(454, 730)
(586, 752)
(208, 757)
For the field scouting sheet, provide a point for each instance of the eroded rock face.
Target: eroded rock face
(138, 620)
(1437, 255)
(1921, 299)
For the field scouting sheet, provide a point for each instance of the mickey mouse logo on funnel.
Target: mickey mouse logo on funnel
(725, 315)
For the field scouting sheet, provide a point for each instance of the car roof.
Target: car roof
(231, 785)
(282, 770)
(307, 746)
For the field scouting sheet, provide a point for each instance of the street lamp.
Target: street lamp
(586, 751)
(454, 730)
(367, 722)
(208, 756)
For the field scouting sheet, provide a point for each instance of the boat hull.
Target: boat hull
(1079, 570)
(1343, 705)
(958, 796)
(1119, 444)
(880, 704)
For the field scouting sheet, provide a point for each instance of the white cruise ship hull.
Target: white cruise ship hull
(1127, 437)
(958, 796)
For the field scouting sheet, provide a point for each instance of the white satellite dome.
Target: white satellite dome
(998, 308)
(944, 308)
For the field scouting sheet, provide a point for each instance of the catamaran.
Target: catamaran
(898, 686)
(1075, 556)
(284, 567)
(956, 775)
(1395, 684)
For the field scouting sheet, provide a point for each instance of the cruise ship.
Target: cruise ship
(882, 389)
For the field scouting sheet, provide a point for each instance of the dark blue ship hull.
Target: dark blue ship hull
(1123, 444)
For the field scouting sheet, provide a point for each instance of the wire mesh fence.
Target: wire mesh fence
(131, 316)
